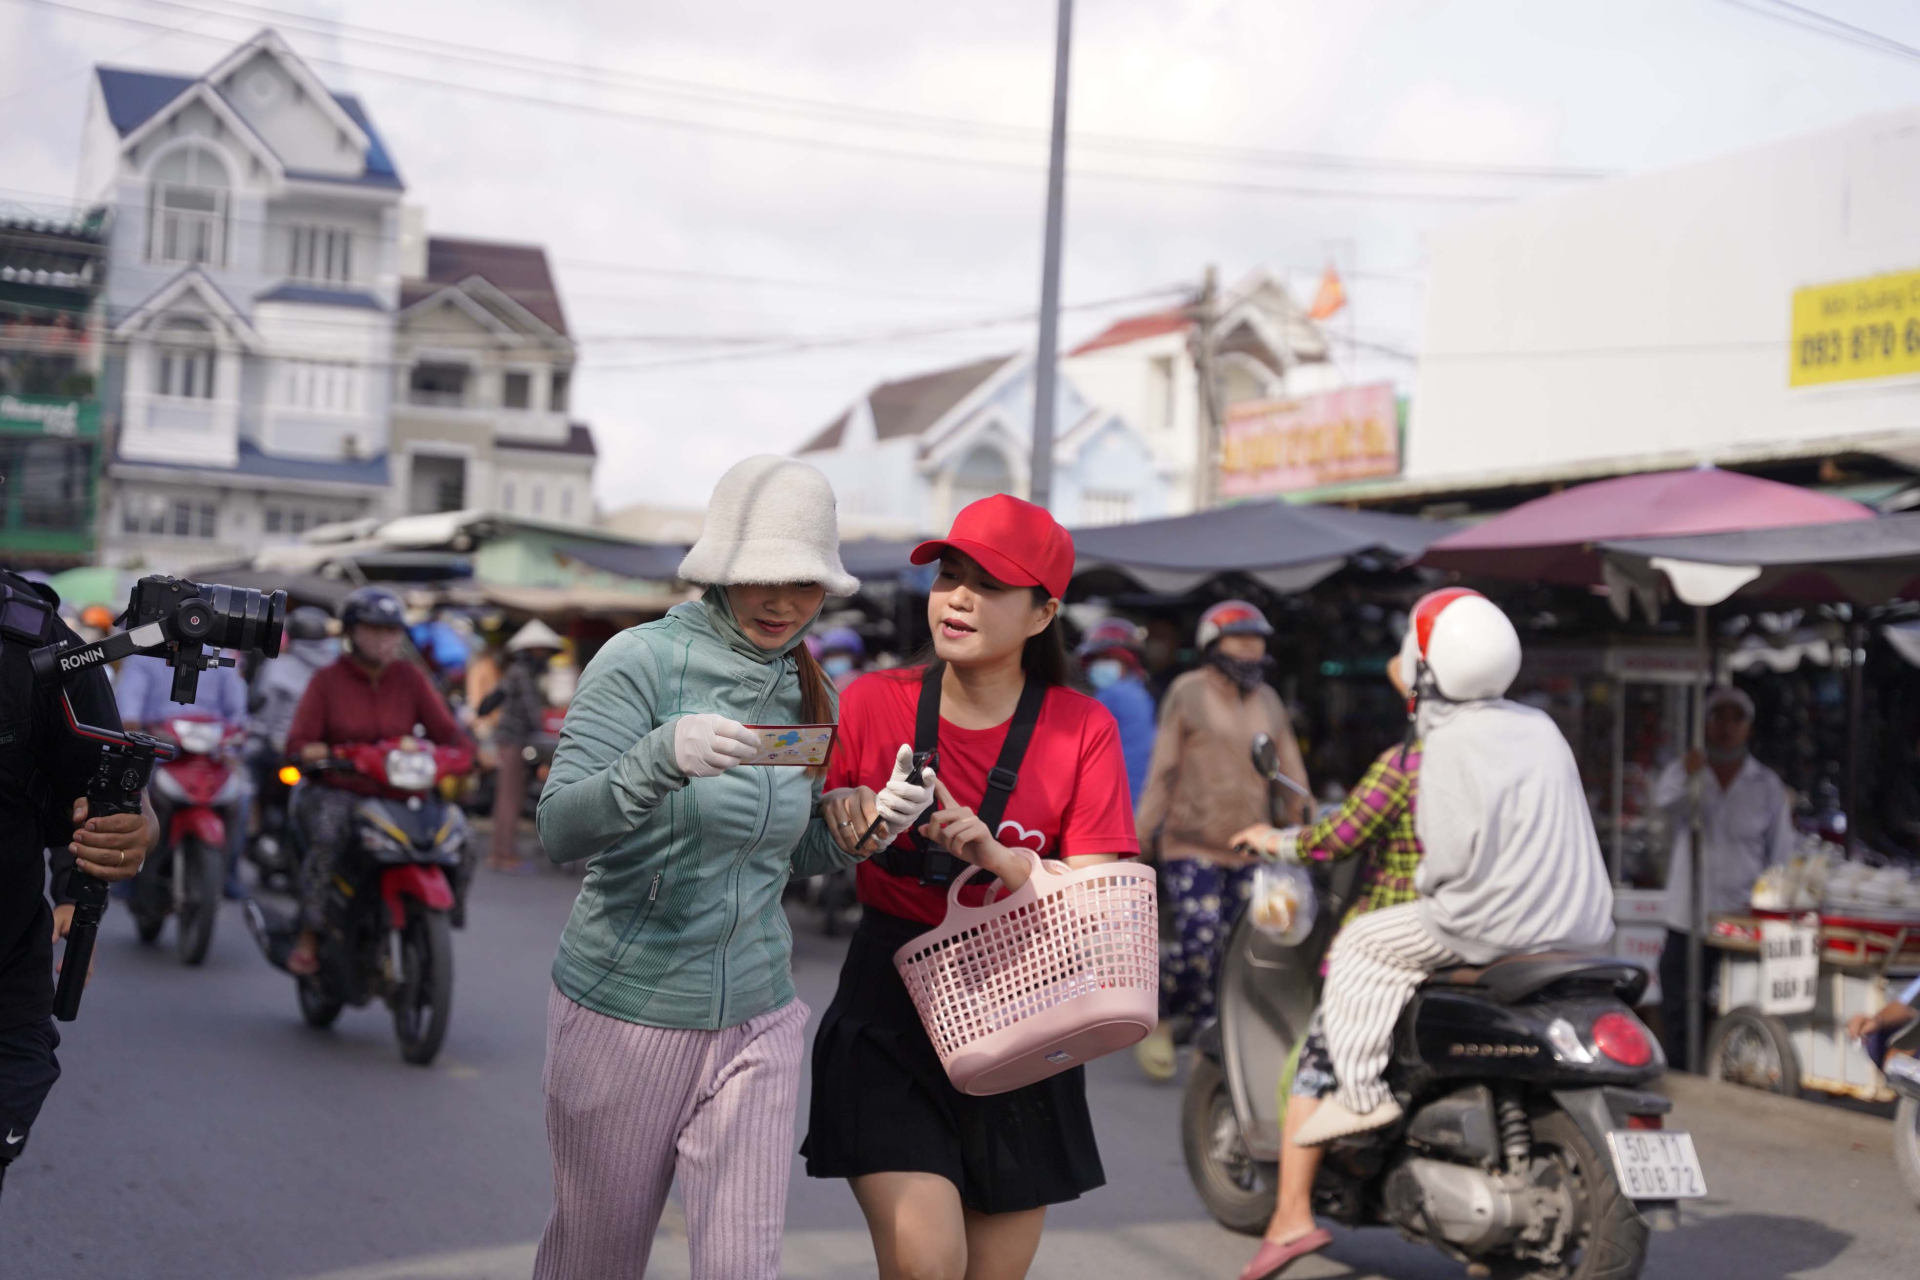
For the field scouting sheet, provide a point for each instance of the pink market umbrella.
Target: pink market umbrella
(1552, 539)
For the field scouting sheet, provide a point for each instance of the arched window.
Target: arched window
(188, 208)
(183, 360)
(981, 474)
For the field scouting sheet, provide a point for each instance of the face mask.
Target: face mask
(1105, 673)
(838, 665)
(1247, 675)
(1726, 755)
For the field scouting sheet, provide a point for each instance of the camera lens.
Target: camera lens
(246, 619)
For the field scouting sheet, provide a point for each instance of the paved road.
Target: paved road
(201, 1132)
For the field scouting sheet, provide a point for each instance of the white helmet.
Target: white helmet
(1459, 647)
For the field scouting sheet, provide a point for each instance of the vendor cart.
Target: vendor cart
(1783, 1032)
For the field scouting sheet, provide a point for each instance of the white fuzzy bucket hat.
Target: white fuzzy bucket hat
(771, 520)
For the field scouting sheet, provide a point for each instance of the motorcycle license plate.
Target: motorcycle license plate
(1657, 1164)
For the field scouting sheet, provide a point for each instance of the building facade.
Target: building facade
(252, 280)
(51, 272)
(1146, 368)
(483, 375)
(1756, 310)
(909, 454)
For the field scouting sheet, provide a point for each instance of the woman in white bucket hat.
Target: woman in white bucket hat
(673, 1030)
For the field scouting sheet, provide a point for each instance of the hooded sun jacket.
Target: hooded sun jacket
(678, 923)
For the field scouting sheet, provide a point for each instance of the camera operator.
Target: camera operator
(44, 771)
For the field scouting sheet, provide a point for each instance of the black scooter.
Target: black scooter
(1528, 1144)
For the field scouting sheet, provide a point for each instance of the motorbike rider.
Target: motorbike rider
(144, 691)
(1374, 823)
(1110, 656)
(843, 656)
(1511, 861)
(1201, 788)
(369, 694)
(282, 681)
(522, 704)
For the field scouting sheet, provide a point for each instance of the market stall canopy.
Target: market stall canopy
(877, 559)
(1855, 561)
(1284, 547)
(642, 561)
(1554, 538)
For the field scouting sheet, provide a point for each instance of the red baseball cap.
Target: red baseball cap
(1014, 541)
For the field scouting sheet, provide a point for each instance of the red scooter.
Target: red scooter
(195, 796)
(388, 927)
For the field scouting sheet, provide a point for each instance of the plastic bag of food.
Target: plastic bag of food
(1283, 902)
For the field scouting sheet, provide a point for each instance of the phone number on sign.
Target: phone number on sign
(1862, 344)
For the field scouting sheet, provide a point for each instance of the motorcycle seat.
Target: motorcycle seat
(1511, 979)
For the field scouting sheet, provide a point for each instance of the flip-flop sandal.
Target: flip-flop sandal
(1275, 1258)
(295, 961)
(1156, 1057)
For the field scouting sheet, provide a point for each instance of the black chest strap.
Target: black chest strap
(927, 862)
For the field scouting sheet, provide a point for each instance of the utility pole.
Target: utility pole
(1045, 372)
(1207, 473)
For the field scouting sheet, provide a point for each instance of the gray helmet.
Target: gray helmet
(308, 623)
(373, 607)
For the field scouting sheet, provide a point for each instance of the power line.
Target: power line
(862, 115)
(1823, 25)
(946, 160)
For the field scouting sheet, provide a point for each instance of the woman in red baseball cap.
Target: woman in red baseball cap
(954, 1184)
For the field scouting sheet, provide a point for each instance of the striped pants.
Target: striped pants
(1378, 961)
(629, 1107)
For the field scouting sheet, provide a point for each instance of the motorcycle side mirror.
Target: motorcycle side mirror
(1266, 756)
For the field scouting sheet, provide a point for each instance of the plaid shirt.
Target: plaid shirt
(1377, 816)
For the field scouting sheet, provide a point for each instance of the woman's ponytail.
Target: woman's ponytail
(816, 695)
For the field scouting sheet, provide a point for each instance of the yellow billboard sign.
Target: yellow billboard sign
(1855, 330)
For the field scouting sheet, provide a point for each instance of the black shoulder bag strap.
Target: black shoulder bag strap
(929, 862)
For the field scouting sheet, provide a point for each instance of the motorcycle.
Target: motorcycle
(388, 929)
(195, 797)
(271, 848)
(1528, 1145)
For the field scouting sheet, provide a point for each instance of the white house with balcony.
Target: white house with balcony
(1146, 368)
(483, 372)
(908, 455)
(252, 283)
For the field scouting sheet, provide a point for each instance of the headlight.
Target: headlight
(410, 770)
(199, 737)
(169, 789)
(290, 775)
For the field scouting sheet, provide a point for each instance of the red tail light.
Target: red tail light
(1646, 1122)
(1621, 1037)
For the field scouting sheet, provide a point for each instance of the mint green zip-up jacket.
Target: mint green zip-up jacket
(678, 923)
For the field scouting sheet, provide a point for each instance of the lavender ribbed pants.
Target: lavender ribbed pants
(629, 1107)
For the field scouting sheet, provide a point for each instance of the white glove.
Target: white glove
(705, 745)
(1281, 844)
(900, 802)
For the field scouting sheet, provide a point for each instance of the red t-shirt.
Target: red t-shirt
(1072, 797)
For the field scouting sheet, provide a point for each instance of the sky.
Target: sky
(758, 210)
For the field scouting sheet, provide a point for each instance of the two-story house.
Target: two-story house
(905, 457)
(483, 369)
(1146, 368)
(253, 277)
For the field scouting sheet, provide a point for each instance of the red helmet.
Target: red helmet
(1231, 618)
(1459, 646)
(1112, 633)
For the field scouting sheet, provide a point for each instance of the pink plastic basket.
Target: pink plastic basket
(1056, 974)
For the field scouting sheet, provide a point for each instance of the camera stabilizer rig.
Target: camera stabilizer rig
(167, 618)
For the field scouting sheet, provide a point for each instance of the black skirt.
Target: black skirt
(883, 1104)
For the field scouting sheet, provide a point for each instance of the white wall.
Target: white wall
(1647, 318)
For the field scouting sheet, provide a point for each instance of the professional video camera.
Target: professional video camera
(171, 619)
